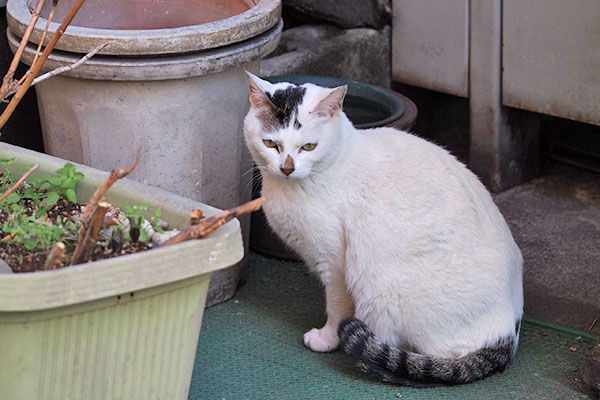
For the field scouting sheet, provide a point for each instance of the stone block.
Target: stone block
(360, 54)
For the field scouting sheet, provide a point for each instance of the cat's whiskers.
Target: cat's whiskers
(254, 178)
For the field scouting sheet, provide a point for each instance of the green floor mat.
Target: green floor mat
(251, 348)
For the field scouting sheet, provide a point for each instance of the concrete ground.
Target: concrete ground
(555, 220)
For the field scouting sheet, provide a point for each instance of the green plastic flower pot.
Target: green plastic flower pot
(121, 328)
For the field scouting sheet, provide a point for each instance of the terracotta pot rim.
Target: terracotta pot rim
(192, 38)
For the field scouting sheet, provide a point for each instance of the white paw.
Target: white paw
(321, 340)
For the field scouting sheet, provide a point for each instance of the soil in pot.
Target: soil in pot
(44, 210)
(146, 14)
(63, 214)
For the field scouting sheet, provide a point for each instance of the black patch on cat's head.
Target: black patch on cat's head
(285, 104)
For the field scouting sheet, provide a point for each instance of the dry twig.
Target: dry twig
(109, 221)
(16, 185)
(54, 258)
(115, 175)
(211, 224)
(35, 69)
(195, 216)
(88, 236)
(94, 215)
(8, 82)
(60, 70)
(42, 40)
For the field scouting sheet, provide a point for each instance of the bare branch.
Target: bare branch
(66, 68)
(89, 236)
(209, 225)
(16, 185)
(35, 69)
(35, 15)
(41, 43)
(94, 216)
(54, 258)
(61, 70)
(114, 176)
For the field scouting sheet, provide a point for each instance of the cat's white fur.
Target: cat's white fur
(402, 235)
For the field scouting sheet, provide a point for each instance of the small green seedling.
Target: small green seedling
(35, 233)
(155, 221)
(30, 228)
(136, 222)
(62, 184)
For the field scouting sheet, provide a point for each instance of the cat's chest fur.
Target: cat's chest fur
(307, 222)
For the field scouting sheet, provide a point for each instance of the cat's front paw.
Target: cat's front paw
(321, 340)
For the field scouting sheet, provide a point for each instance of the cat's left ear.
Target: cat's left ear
(331, 105)
(258, 97)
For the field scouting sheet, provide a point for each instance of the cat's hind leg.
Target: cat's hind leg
(339, 306)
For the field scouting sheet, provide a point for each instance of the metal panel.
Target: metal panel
(430, 44)
(551, 57)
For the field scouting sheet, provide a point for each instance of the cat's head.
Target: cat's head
(293, 131)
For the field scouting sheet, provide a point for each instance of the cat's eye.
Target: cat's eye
(269, 143)
(309, 146)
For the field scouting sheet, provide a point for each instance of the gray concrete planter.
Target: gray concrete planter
(125, 327)
(180, 93)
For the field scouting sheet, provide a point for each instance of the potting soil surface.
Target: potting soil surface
(251, 347)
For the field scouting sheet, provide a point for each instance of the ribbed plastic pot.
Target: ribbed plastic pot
(367, 106)
(174, 88)
(121, 328)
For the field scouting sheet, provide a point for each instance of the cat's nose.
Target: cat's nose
(288, 166)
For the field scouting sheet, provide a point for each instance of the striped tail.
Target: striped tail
(412, 369)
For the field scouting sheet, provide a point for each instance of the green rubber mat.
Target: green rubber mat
(251, 348)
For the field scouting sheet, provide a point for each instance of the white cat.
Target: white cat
(405, 239)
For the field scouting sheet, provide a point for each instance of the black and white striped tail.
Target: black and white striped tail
(400, 367)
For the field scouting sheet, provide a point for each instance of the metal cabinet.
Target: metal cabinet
(430, 45)
(549, 61)
(551, 57)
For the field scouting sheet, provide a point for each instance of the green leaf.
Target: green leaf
(29, 193)
(129, 209)
(157, 212)
(13, 198)
(159, 229)
(30, 244)
(54, 180)
(143, 235)
(52, 198)
(69, 183)
(45, 186)
(71, 196)
(25, 168)
(6, 161)
(78, 176)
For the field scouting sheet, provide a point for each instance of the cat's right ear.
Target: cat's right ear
(258, 97)
(331, 104)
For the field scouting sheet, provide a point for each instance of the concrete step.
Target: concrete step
(555, 220)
